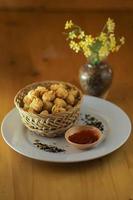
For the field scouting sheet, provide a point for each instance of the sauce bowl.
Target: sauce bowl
(80, 129)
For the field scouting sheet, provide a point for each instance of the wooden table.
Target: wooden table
(33, 48)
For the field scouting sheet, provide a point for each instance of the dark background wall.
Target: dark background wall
(67, 4)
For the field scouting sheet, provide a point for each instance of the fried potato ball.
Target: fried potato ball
(57, 109)
(48, 96)
(60, 102)
(70, 99)
(26, 107)
(33, 94)
(74, 92)
(37, 104)
(56, 86)
(31, 110)
(69, 107)
(47, 105)
(61, 93)
(41, 90)
(44, 113)
(27, 100)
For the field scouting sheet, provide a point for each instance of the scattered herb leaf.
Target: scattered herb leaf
(92, 121)
(48, 148)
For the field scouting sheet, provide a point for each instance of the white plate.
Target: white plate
(117, 126)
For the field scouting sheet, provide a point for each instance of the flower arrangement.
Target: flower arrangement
(95, 49)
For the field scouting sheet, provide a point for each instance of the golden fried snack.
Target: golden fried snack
(60, 102)
(31, 110)
(70, 99)
(37, 104)
(76, 101)
(41, 90)
(47, 105)
(74, 92)
(61, 93)
(69, 107)
(27, 100)
(44, 113)
(57, 109)
(33, 94)
(62, 85)
(55, 87)
(26, 107)
(54, 99)
(48, 96)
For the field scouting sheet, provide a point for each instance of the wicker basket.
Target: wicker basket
(50, 125)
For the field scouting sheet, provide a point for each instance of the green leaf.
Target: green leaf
(96, 46)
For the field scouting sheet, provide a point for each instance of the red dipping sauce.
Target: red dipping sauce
(84, 137)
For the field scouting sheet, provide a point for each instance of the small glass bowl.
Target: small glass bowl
(76, 129)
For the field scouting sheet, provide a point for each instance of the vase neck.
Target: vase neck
(90, 65)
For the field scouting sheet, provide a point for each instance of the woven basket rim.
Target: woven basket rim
(50, 114)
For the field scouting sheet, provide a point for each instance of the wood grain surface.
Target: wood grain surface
(33, 48)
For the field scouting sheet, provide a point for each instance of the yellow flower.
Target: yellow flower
(86, 52)
(103, 52)
(122, 40)
(112, 42)
(85, 48)
(94, 48)
(75, 46)
(117, 48)
(103, 37)
(72, 35)
(110, 25)
(89, 39)
(82, 43)
(81, 35)
(69, 24)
